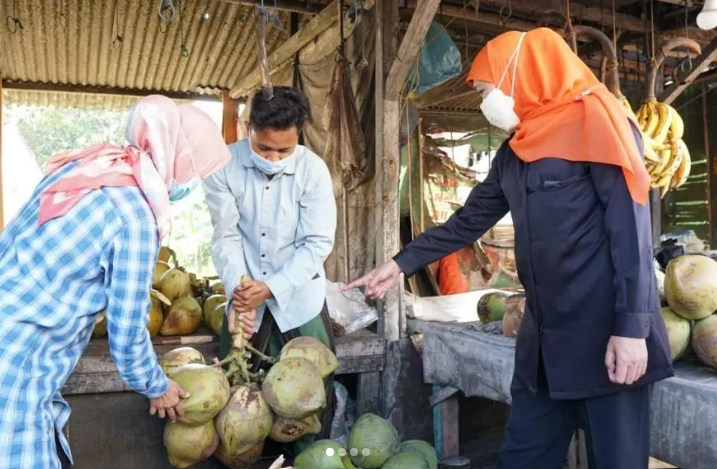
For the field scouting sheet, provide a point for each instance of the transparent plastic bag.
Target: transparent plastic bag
(349, 310)
(344, 415)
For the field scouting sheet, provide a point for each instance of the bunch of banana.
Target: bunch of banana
(650, 155)
(669, 162)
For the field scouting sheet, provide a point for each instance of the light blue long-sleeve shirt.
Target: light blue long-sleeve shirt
(278, 230)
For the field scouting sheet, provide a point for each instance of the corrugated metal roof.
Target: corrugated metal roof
(67, 99)
(77, 49)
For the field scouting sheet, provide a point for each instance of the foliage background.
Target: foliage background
(51, 130)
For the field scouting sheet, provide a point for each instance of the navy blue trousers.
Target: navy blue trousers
(539, 431)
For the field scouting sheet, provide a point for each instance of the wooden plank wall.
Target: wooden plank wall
(691, 206)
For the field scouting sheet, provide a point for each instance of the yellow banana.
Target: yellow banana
(665, 157)
(653, 119)
(664, 123)
(686, 164)
(677, 127)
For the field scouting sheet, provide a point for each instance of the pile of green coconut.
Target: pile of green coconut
(690, 290)
(231, 411)
(181, 301)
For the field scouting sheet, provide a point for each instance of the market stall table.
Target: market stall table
(111, 427)
(478, 360)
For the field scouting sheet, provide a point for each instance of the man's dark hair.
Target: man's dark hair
(288, 108)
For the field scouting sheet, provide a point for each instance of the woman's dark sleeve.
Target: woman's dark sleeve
(629, 233)
(485, 206)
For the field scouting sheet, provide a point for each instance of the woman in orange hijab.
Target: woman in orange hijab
(592, 339)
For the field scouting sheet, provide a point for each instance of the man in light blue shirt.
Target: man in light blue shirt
(274, 217)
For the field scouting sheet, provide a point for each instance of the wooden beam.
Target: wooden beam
(66, 88)
(229, 118)
(537, 10)
(286, 51)
(283, 5)
(329, 40)
(410, 46)
(486, 22)
(702, 63)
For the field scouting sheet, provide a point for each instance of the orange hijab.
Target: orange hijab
(565, 111)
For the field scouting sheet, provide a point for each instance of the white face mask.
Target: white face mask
(498, 108)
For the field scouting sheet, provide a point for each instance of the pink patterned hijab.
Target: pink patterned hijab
(167, 143)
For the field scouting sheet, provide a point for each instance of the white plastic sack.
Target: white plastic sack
(448, 308)
(349, 309)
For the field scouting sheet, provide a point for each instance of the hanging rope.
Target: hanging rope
(13, 23)
(63, 16)
(183, 50)
(653, 59)
(116, 37)
(166, 11)
(569, 32)
(687, 35)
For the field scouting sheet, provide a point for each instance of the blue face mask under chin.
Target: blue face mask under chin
(179, 191)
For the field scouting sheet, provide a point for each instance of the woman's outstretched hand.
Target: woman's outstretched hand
(377, 282)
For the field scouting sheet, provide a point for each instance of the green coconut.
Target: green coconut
(187, 445)
(165, 254)
(217, 288)
(691, 286)
(289, 430)
(215, 319)
(490, 306)
(409, 460)
(211, 304)
(208, 393)
(428, 451)
(313, 350)
(294, 388)
(100, 329)
(160, 269)
(155, 317)
(323, 454)
(376, 435)
(183, 318)
(513, 317)
(177, 358)
(175, 284)
(240, 461)
(245, 421)
(678, 332)
(704, 341)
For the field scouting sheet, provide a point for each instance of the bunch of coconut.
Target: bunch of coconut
(194, 436)
(295, 388)
(373, 444)
(691, 293)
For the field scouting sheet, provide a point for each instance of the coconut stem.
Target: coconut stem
(221, 364)
(262, 357)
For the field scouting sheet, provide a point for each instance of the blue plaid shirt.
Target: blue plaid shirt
(54, 279)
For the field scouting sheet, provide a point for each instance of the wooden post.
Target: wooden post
(710, 162)
(229, 118)
(389, 241)
(2, 216)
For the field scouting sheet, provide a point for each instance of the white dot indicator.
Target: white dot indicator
(366, 452)
(354, 452)
(342, 452)
(330, 452)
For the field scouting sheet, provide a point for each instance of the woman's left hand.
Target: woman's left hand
(626, 359)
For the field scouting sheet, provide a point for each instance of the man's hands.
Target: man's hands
(170, 403)
(250, 295)
(378, 281)
(626, 359)
(246, 322)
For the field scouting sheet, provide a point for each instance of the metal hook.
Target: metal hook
(184, 51)
(166, 10)
(506, 11)
(63, 16)
(117, 42)
(14, 24)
